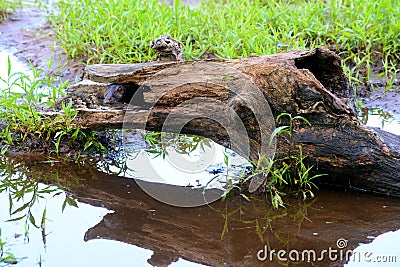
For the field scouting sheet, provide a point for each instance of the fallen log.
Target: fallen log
(311, 84)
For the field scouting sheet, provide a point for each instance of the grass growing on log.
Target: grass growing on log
(289, 170)
(363, 32)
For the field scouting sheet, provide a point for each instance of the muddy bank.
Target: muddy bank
(29, 36)
(388, 101)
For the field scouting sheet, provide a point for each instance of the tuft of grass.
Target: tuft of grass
(22, 100)
(363, 32)
(288, 170)
(6, 8)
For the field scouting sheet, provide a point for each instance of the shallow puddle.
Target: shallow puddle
(381, 109)
(385, 120)
(117, 224)
(196, 169)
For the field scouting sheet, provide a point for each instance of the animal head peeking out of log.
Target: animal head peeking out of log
(167, 48)
(115, 93)
(125, 93)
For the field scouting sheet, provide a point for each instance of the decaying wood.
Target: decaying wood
(123, 73)
(306, 83)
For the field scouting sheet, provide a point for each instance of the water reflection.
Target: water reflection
(376, 117)
(49, 232)
(117, 224)
(383, 251)
(195, 170)
(177, 159)
(16, 66)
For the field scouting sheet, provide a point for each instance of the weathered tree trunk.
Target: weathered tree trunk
(306, 83)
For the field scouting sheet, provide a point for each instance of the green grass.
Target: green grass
(22, 100)
(120, 31)
(6, 8)
(288, 170)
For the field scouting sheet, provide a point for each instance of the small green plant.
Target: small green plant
(288, 170)
(5, 256)
(304, 179)
(390, 73)
(274, 178)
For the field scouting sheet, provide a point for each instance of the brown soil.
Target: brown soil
(29, 36)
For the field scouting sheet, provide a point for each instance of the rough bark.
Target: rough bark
(306, 83)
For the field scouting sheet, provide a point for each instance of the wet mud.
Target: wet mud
(29, 36)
